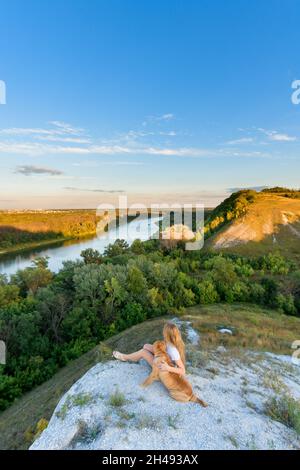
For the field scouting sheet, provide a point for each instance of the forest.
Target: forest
(48, 319)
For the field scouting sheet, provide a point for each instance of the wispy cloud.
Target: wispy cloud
(277, 136)
(243, 140)
(58, 129)
(39, 149)
(283, 138)
(71, 140)
(158, 118)
(111, 191)
(64, 139)
(93, 164)
(29, 170)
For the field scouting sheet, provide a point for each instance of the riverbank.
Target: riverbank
(19, 248)
(25, 230)
(22, 248)
(63, 248)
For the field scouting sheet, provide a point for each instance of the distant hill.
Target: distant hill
(252, 223)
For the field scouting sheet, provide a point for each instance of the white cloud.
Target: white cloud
(277, 136)
(67, 128)
(166, 117)
(243, 140)
(160, 118)
(64, 139)
(58, 129)
(39, 149)
(283, 138)
(168, 133)
(70, 140)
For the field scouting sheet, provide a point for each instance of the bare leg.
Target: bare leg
(136, 356)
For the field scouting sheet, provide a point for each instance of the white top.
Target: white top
(173, 352)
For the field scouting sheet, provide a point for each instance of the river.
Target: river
(141, 228)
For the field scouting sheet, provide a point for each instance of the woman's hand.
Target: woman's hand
(164, 366)
(148, 347)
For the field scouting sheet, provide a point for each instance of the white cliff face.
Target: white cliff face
(93, 416)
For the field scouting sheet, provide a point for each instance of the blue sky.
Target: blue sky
(154, 99)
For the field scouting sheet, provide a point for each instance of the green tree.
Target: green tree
(91, 256)
(119, 247)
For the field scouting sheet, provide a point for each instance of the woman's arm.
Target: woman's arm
(148, 347)
(180, 369)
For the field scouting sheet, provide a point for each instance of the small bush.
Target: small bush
(286, 410)
(82, 399)
(32, 433)
(148, 422)
(86, 434)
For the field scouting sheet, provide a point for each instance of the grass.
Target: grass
(284, 409)
(173, 421)
(233, 441)
(86, 434)
(256, 328)
(148, 422)
(81, 399)
(117, 399)
(196, 358)
(126, 415)
(271, 380)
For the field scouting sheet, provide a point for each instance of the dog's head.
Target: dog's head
(159, 348)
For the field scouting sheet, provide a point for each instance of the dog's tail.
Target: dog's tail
(198, 400)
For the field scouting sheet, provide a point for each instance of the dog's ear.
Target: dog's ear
(161, 346)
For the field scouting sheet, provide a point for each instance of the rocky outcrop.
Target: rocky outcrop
(107, 408)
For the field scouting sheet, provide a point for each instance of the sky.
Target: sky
(173, 100)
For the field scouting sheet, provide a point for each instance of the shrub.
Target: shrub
(286, 410)
(9, 390)
(132, 314)
(117, 399)
(207, 292)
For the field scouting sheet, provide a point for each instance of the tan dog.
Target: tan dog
(179, 387)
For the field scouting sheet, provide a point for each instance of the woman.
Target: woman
(175, 350)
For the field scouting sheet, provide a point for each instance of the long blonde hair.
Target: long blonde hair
(172, 335)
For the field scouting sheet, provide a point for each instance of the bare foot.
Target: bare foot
(119, 356)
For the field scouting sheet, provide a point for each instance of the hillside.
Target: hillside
(270, 222)
(209, 368)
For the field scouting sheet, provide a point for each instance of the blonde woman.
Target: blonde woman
(175, 349)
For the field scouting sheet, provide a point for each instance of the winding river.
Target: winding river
(142, 228)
